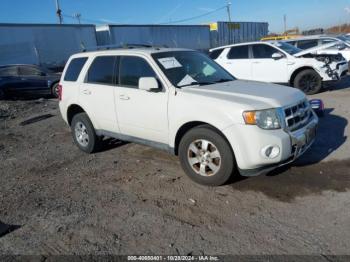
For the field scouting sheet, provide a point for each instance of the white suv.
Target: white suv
(181, 101)
(279, 62)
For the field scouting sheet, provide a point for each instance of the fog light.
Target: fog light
(271, 152)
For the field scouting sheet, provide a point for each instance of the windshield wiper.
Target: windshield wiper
(223, 80)
(197, 84)
(189, 84)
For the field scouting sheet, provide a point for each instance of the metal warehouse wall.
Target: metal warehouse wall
(43, 44)
(238, 32)
(186, 36)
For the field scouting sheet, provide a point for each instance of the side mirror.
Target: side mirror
(148, 84)
(277, 56)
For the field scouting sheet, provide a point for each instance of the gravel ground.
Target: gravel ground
(131, 199)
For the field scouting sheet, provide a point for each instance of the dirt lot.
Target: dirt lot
(131, 199)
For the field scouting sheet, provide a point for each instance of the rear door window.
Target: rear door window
(263, 51)
(102, 70)
(9, 71)
(131, 69)
(306, 44)
(74, 69)
(239, 52)
(29, 71)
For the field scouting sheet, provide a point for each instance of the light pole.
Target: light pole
(77, 16)
(59, 12)
(229, 10)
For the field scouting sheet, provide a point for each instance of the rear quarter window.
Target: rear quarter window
(74, 69)
(215, 53)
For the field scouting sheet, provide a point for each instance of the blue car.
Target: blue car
(24, 80)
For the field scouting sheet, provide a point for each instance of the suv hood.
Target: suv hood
(255, 95)
(316, 50)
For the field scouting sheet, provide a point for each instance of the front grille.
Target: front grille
(298, 115)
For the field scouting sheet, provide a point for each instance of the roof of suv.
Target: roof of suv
(138, 50)
(311, 37)
(245, 43)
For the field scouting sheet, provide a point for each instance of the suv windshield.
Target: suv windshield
(290, 49)
(186, 68)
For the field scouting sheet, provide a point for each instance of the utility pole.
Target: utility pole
(229, 10)
(285, 24)
(77, 16)
(59, 12)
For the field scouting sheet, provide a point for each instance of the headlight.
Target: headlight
(265, 119)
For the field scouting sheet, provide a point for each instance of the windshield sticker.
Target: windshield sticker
(169, 62)
(187, 80)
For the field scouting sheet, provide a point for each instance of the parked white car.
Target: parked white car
(341, 44)
(279, 62)
(183, 102)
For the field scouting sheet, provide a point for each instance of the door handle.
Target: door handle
(124, 97)
(229, 63)
(256, 62)
(86, 92)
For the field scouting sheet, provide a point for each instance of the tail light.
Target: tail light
(60, 90)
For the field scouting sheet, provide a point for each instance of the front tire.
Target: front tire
(206, 156)
(84, 134)
(308, 81)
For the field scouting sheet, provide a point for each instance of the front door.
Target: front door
(141, 114)
(267, 69)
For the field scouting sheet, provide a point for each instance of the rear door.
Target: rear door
(141, 114)
(97, 93)
(238, 63)
(267, 69)
(33, 80)
(9, 79)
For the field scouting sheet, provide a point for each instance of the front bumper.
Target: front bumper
(336, 73)
(293, 145)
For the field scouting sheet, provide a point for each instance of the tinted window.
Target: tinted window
(306, 44)
(263, 51)
(102, 70)
(8, 71)
(215, 54)
(239, 52)
(29, 71)
(74, 69)
(132, 69)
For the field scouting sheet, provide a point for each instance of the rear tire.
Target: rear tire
(206, 156)
(54, 90)
(84, 134)
(308, 81)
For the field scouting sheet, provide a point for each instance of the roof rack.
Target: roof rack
(125, 46)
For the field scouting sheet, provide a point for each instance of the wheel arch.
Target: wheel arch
(190, 125)
(72, 111)
(54, 83)
(297, 71)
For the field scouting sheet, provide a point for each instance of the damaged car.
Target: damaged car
(280, 62)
